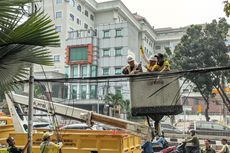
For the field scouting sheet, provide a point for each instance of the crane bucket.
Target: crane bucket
(155, 96)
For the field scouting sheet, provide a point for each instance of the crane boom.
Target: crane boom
(79, 114)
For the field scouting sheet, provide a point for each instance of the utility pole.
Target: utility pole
(30, 106)
(224, 110)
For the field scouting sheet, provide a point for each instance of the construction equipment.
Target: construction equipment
(71, 112)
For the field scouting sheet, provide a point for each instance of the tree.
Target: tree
(203, 47)
(227, 8)
(117, 100)
(22, 42)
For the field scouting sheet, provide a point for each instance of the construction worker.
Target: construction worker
(225, 148)
(47, 146)
(207, 148)
(133, 67)
(192, 144)
(162, 64)
(150, 62)
(12, 148)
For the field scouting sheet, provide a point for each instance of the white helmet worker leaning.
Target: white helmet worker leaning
(130, 58)
(152, 58)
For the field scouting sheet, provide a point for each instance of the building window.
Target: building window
(93, 92)
(83, 70)
(75, 71)
(105, 71)
(83, 91)
(56, 58)
(91, 17)
(59, 14)
(106, 34)
(67, 71)
(78, 21)
(71, 33)
(106, 52)
(58, 28)
(117, 90)
(117, 70)
(158, 47)
(86, 26)
(118, 32)
(79, 8)
(74, 92)
(72, 2)
(86, 13)
(71, 17)
(118, 51)
(93, 71)
(58, 1)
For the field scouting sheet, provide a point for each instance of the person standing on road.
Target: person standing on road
(49, 147)
(147, 146)
(193, 144)
(225, 148)
(133, 67)
(12, 148)
(207, 148)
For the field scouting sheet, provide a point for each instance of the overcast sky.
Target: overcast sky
(176, 13)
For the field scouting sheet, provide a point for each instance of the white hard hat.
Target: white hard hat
(152, 58)
(130, 58)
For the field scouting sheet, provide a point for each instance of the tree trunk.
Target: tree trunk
(206, 110)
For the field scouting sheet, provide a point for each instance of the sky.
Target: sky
(176, 13)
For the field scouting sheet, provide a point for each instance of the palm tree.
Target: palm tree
(22, 42)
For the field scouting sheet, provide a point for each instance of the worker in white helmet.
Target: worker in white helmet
(151, 62)
(133, 67)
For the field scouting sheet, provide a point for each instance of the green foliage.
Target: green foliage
(22, 43)
(227, 8)
(200, 47)
(118, 100)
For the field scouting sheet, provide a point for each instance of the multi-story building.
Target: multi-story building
(95, 41)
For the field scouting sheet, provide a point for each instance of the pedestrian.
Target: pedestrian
(192, 144)
(147, 146)
(12, 148)
(207, 147)
(225, 148)
(47, 146)
(150, 62)
(162, 64)
(133, 67)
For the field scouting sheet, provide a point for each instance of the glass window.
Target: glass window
(58, 1)
(83, 91)
(118, 51)
(158, 47)
(59, 14)
(106, 52)
(105, 71)
(93, 71)
(72, 3)
(106, 34)
(71, 17)
(74, 91)
(58, 28)
(78, 21)
(93, 92)
(78, 54)
(86, 13)
(86, 26)
(117, 70)
(79, 7)
(117, 90)
(83, 70)
(118, 32)
(71, 33)
(75, 71)
(56, 58)
(91, 17)
(67, 71)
